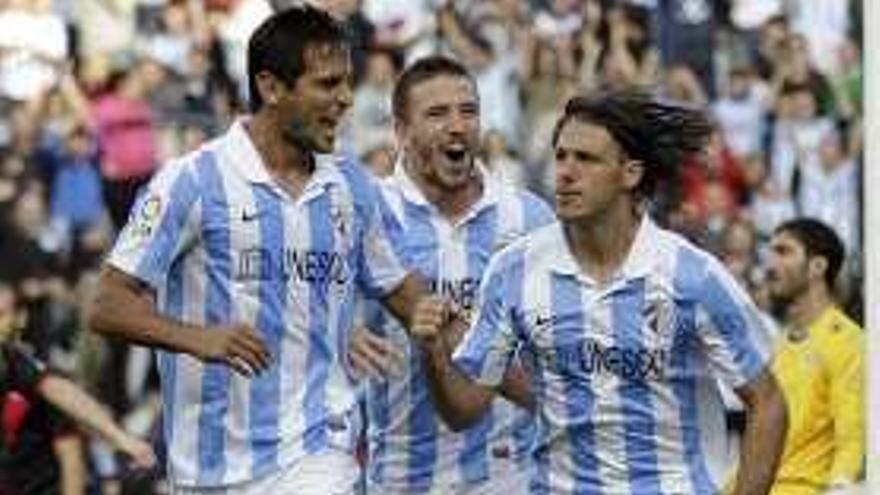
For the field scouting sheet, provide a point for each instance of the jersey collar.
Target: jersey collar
(248, 163)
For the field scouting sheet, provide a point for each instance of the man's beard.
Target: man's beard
(779, 303)
(295, 133)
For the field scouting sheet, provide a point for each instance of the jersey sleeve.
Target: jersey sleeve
(844, 357)
(735, 337)
(381, 259)
(161, 225)
(490, 345)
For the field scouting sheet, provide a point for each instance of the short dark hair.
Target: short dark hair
(656, 132)
(420, 71)
(279, 44)
(817, 239)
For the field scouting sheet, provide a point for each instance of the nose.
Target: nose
(458, 123)
(345, 96)
(563, 170)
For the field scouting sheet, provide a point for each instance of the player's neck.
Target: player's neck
(601, 244)
(452, 203)
(807, 308)
(290, 165)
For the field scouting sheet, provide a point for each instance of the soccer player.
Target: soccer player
(453, 217)
(628, 322)
(245, 256)
(819, 363)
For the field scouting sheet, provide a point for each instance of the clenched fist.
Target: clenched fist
(429, 318)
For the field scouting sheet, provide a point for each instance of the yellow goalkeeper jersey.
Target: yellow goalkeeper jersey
(821, 373)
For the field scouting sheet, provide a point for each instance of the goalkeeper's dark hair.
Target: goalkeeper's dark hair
(656, 132)
(818, 240)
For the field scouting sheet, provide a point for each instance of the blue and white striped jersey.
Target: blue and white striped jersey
(627, 401)
(410, 449)
(220, 242)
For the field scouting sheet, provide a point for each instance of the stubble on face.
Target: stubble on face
(320, 99)
(441, 131)
(788, 276)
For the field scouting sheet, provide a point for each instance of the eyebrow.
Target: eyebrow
(580, 151)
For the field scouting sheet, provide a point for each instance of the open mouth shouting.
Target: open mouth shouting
(457, 155)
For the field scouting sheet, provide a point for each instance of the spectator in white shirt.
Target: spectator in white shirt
(33, 44)
(741, 114)
(797, 134)
(829, 190)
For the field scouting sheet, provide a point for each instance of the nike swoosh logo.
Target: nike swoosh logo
(248, 216)
(543, 321)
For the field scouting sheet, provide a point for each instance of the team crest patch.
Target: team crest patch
(145, 220)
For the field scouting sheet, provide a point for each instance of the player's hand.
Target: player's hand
(238, 346)
(429, 317)
(374, 356)
(138, 451)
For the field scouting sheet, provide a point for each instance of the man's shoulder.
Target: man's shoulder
(194, 160)
(536, 244)
(837, 328)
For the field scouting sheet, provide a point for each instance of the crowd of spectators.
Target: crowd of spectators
(96, 94)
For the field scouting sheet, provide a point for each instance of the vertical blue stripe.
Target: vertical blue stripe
(569, 321)
(422, 420)
(683, 373)
(526, 427)
(523, 434)
(345, 326)
(348, 305)
(378, 405)
(479, 243)
(320, 354)
(265, 391)
(162, 248)
(167, 360)
(218, 311)
(535, 212)
(539, 482)
(639, 431)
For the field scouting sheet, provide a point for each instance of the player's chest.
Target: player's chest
(262, 237)
(630, 331)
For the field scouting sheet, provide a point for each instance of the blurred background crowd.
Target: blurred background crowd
(96, 94)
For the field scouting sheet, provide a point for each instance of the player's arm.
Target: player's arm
(737, 343)
(459, 400)
(764, 437)
(377, 356)
(164, 226)
(123, 308)
(404, 298)
(76, 403)
(464, 384)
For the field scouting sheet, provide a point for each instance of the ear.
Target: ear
(633, 171)
(817, 266)
(269, 87)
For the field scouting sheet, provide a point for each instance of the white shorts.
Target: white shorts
(333, 472)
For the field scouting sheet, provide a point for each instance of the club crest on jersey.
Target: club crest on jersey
(145, 219)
